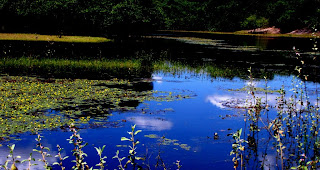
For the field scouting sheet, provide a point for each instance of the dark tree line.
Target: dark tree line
(123, 17)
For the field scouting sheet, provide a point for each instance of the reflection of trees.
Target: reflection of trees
(224, 60)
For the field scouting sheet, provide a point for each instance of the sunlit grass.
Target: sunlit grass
(56, 38)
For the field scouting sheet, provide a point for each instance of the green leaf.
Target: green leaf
(138, 131)
(124, 139)
(240, 131)
(133, 127)
(103, 148)
(98, 150)
(24, 160)
(12, 147)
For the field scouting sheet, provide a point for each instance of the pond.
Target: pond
(189, 94)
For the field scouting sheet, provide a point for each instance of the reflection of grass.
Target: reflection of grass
(56, 38)
(256, 89)
(177, 68)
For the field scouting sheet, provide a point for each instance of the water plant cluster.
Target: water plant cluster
(282, 135)
(132, 160)
(104, 68)
(30, 102)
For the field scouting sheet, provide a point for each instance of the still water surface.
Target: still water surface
(216, 103)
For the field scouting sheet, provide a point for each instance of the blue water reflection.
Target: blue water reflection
(218, 106)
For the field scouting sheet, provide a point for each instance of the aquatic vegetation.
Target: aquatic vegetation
(48, 63)
(237, 149)
(43, 152)
(293, 131)
(167, 141)
(51, 38)
(132, 158)
(78, 152)
(29, 102)
(65, 68)
(208, 42)
(60, 158)
(11, 158)
(102, 162)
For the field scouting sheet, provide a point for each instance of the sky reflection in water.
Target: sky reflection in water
(191, 121)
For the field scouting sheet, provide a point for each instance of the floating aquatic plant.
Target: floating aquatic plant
(29, 102)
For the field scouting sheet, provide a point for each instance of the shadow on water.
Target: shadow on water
(269, 55)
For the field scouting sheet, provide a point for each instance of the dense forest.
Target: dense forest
(114, 17)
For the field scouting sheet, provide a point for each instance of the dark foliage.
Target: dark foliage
(124, 17)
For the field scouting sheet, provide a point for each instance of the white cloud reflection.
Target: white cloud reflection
(155, 124)
(24, 152)
(241, 100)
(226, 101)
(156, 78)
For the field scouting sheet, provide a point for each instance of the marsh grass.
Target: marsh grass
(72, 68)
(51, 38)
(292, 132)
(70, 64)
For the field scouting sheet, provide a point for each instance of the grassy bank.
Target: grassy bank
(55, 38)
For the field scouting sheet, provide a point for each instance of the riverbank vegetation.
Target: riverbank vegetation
(51, 38)
(125, 17)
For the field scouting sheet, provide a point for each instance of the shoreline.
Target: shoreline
(51, 38)
(244, 32)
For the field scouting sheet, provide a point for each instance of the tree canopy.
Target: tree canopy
(101, 17)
